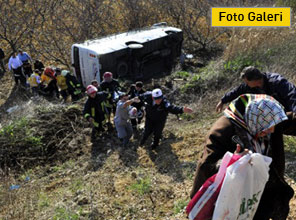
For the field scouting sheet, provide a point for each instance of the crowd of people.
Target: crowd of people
(50, 82)
(261, 110)
(128, 109)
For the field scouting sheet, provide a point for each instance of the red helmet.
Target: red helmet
(107, 75)
(49, 72)
(90, 89)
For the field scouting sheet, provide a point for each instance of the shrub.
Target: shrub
(142, 186)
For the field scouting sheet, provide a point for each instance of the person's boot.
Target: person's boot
(154, 144)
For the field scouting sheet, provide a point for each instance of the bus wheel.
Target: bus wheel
(122, 69)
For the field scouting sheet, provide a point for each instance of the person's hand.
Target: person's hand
(219, 107)
(241, 151)
(136, 100)
(187, 110)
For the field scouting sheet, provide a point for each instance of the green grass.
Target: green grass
(182, 74)
(21, 131)
(241, 61)
(77, 184)
(142, 186)
(43, 201)
(61, 213)
(290, 144)
(179, 205)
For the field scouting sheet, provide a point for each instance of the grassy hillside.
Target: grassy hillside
(63, 174)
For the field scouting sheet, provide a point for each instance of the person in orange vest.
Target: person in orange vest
(48, 78)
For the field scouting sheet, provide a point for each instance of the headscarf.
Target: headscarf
(263, 114)
(254, 114)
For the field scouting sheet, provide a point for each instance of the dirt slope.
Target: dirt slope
(97, 179)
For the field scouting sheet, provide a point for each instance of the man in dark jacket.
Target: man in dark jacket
(94, 109)
(135, 91)
(256, 82)
(38, 65)
(157, 109)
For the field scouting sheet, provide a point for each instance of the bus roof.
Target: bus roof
(116, 42)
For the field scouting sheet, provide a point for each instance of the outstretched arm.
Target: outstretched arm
(219, 107)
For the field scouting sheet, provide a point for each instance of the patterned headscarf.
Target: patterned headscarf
(263, 114)
(255, 113)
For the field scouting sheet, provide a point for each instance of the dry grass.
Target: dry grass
(101, 181)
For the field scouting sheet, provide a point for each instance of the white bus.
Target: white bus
(137, 54)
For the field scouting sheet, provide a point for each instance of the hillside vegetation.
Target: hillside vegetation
(50, 166)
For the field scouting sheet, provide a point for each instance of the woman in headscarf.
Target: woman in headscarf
(256, 121)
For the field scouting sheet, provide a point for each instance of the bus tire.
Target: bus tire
(122, 69)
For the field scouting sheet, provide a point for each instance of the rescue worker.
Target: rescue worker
(74, 87)
(46, 76)
(135, 91)
(94, 109)
(34, 81)
(111, 86)
(49, 83)
(273, 84)
(121, 120)
(96, 84)
(157, 108)
(256, 82)
(61, 82)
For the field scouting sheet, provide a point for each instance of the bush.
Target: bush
(211, 77)
(142, 186)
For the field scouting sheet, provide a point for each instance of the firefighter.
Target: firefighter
(94, 109)
(74, 87)
(157, 109)
(96, 84)
(111, 86)
(61, 82)
(49, 86)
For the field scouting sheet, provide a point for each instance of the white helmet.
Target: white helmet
(65, 72)
(157, 94)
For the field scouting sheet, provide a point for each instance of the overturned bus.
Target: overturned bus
(135, 54)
